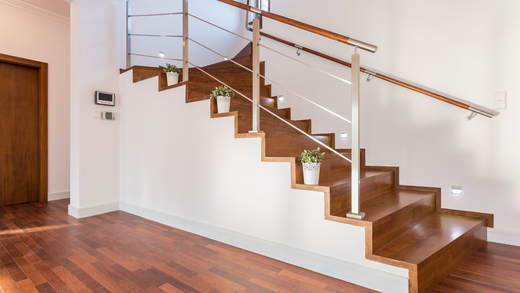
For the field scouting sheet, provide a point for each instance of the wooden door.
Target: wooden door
(23, 146)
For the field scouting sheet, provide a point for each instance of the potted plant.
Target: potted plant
(172, 74)
(311, 161)
(223, 96)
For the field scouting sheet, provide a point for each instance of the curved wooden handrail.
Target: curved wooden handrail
(383, 77)
(304, 26)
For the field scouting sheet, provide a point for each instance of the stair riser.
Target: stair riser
(390, 227)
(268, 123)
(277, 145)
(340, 199)
(446, 260)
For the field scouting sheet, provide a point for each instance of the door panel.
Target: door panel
(19, 143)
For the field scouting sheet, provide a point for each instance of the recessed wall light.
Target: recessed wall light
(456, 190)
(161, 54)
(343, 134)
(280, 98)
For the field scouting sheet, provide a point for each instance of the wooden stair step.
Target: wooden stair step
(434, 247)
(292, 145)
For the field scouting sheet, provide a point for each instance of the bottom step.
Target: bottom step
(434, 247)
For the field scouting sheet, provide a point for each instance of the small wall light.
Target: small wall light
(456, 190)
(343, 134)
(161, 54)
(280, 98)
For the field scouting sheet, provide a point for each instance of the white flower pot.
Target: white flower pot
(172, 78)
(311, 173)
(223, 104)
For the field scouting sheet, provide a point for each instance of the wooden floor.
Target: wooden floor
(45, 250)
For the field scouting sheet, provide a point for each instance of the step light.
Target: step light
(343, 134)
(280, 98)
(161, 54)
(456, 190)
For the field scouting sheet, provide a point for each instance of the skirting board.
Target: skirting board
(503, 236)
(350, 272)
(58, 195)
(93, 210)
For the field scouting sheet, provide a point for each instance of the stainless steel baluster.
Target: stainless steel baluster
(356, 157)
(256, 72)
(185, 51)
(128, 36)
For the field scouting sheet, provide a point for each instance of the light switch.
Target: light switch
(96, 114)
(499, 100)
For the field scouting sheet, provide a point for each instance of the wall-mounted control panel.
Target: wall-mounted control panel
(108, 115)
(105, 99)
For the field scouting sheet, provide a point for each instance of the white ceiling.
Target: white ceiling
(60, 7)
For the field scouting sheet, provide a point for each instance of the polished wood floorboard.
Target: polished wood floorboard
(493, 268)
(43, 249)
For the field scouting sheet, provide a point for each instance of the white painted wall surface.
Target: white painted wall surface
(33, 36)
(210, 36)
(97, 53)
(182, 168)
(464, 49)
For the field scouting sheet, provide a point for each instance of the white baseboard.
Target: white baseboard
(503, 236)
(93, 210)
(350, 272)
(58, 195)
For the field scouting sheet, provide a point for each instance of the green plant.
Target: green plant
(171, 68)
(222, 91)
(311, 156)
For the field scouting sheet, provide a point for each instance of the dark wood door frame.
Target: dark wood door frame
(42, 118)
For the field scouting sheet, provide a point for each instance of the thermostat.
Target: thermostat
(108, 115)
(105, 99)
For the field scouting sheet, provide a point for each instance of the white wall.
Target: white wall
(38, 35)
(210, 36)
(464, 49)
(184, 169)
(97, 53)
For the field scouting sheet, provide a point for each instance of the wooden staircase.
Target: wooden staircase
(405, 225)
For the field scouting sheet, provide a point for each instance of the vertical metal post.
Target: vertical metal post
(256, 74)
(356, 156)
(128, 32)
(185, 67)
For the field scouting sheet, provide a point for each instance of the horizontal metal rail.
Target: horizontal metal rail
(157, 14)
(162, 36)
(268, 111)
(314, 103)
(155, 57)
(225, 57)
(315, 68)
(220, 27)
(310, 101)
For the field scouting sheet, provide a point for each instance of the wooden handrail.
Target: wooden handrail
(383, 77)
(304, 26)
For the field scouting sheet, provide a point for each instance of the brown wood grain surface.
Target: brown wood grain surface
(23, 130)
(19, 128)
(120, 252)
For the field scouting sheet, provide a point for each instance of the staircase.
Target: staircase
(405, 225)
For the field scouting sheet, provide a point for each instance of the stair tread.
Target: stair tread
(428, 237)
(387, 203)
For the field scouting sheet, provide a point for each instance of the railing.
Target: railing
(372, 74)
(355, 83)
